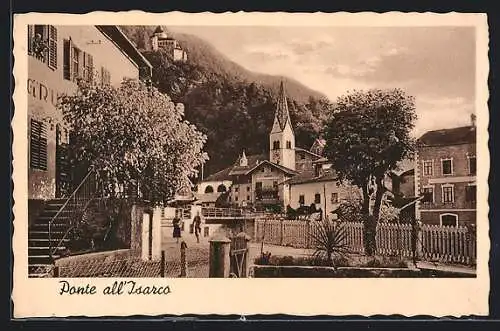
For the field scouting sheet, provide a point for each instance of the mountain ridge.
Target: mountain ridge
(232, 106)
(206, 55)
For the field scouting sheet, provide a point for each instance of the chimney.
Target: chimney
(473, 120)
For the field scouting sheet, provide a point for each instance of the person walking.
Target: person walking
(197, 226)
(177, 228)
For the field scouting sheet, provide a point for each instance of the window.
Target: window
(428, 193)
(335, 197)
(263, 169)
(447, 194)
(38, 145)
(248, 197)
(276, 144)
(221, 188)
(236, 189)
(206, 231)
(428, 171)
(88, 67)
(75, 64)
(209, 189)
(105, 77)
(447, 166)
(275, 184)
(449, 220)
(42, 43)
(248, 188)
(470, 193)
(302, 199)
(289, 144)
(317, 198)
(302, 156)
(472, 165)
(236, 198)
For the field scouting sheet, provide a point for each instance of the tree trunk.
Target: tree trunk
(369, 230)
(371, 217)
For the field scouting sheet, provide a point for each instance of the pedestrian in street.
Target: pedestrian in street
(197, 226)
(177, 228)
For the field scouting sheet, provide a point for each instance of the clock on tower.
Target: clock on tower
(276, 156)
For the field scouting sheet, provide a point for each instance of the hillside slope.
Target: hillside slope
(203, 54)
(232, 106)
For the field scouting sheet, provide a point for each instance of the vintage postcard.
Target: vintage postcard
(250, 163)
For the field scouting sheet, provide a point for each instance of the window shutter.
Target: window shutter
(80, 64)
(38, 145)
(91, 67)
(67, 50)
(52, 40)
(85, 70)
(31, 33)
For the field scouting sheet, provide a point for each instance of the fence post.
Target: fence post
(417, 238)
(56, 271)
(219, 257)
(282, 232)
(183, 259)
(162, 264)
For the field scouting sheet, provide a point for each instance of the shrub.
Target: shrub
(329, 238)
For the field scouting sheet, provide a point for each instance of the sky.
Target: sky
(436, 65)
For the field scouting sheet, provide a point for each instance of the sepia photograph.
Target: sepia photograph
(168, 150)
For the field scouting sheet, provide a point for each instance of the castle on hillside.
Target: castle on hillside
(160, 39)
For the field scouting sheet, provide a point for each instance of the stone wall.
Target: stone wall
(35, 207)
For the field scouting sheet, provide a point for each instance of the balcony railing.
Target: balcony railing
(448, 205)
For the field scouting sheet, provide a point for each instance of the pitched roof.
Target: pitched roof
(299, 149)
(275, 165)
(318, 146)
(219, 176)
(282, 116)
(207, 197)
(310, 177)
(404, 166)
(158, 29)
(252, 161)
(125, 45)
(454, 136)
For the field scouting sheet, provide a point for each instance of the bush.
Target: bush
(385, 263)
(304, 261)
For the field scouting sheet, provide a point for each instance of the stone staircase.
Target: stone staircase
(39, 260)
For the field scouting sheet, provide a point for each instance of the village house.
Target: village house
(259, 180)
(446, 176)
(160, 40)
(58, 57)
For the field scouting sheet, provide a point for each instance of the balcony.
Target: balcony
(448, 205)
(267, 195)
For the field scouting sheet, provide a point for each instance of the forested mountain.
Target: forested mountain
(231, 105)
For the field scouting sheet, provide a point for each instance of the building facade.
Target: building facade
(259, 180)
(57, 57)
(160, 40)
(446, 176)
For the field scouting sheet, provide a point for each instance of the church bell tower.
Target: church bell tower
(282, 138)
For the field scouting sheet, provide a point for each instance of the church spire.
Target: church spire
(282, 115)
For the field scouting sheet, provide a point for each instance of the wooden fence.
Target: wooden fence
(434, 243)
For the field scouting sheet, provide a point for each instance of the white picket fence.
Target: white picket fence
(434, 243)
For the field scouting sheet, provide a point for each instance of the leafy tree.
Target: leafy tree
(133, 134)
(367, 134)
(233, 113)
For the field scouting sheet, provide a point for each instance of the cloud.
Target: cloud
(436, 65)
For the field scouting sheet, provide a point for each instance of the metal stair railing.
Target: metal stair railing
(74, 208)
